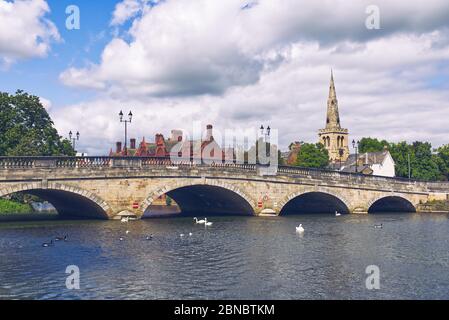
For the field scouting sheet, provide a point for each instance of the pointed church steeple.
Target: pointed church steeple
(333, 117)
(333, 137)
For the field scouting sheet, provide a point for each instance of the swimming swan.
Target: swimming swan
(300, 229)
(199, 221)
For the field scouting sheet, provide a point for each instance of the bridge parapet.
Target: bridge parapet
(35, 164)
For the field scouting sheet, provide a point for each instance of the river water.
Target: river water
(236, 258)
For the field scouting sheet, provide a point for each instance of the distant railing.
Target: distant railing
(11, 163)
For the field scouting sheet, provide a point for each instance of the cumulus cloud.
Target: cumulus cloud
(204, 47)
(237, 65)
(24, 30)
(45, 103)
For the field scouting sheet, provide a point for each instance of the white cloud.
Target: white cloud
(207, 47)
(212, 61)
(126, 10)
(24, 30)
(45, 103)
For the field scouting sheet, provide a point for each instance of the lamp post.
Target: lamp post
(266, 134)
(74, 139)
(125, 121)
(355, 145)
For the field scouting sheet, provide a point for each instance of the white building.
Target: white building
(371, 163)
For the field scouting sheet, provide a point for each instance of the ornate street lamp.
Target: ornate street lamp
(355, 145)
(74, 139)
(130, 118)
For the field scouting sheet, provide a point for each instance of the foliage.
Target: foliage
(26, 128)
(9, 206)
(372, 145)
(423, 164)
(313, 156)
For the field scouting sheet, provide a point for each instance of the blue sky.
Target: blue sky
(180, 62)
(40, 76)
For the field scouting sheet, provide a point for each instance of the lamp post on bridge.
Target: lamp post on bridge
(266, 134)
(355, 145)
(130, 117)
(74, 139)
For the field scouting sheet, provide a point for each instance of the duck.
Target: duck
(121, 238)
(149, 238)
(206, 223)
(61, 238)
(199, 221)
(378, 226)
(47, 244)
(300, 229)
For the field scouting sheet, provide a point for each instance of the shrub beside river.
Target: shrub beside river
(13, 207)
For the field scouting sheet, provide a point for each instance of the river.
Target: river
(236, 258)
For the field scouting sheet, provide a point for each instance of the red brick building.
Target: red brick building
(175, 146)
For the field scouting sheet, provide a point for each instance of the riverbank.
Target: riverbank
(16, 211)
(13, 207)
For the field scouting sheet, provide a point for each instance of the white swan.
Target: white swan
(300, 229)
(125, 219)
(206, 223)
(199, 221)
(337, 214)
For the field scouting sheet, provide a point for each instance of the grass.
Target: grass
(12, 207)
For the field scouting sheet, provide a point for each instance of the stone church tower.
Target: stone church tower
(333, 137)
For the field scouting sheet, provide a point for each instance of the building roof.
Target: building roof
(364, 163)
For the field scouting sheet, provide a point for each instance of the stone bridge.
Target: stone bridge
(104, 187)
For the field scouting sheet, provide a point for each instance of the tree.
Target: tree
(423, 164)
(26, 128)
(442, 160)
(313, 156)
(372, 145)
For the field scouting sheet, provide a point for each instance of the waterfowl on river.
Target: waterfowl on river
(300, 229)
(199, 221)
(47, 244)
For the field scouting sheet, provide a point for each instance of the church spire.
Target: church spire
(333, 117)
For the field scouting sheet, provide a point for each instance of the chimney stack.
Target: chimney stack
(209, 135)
(133, 143)
(119, 147)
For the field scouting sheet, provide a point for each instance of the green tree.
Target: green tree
(423, 164)
(372, 145)
(312, 156)
(26, 128)
(442, 160)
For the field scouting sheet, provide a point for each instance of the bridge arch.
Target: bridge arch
(69, 201)
(391, 204)
(314, 202)
(205, 198)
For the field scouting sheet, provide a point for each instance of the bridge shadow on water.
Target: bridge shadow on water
(199, 200)
(315, 203)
